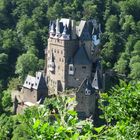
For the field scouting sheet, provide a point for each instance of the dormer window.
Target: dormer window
(83, 67)
(71, 69)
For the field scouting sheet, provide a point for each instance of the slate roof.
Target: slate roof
(33, 82)
(64, 22)
(81, 27)
(87, 84)
(96, 83)
(81, 57)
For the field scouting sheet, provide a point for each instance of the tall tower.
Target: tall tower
(61, 47)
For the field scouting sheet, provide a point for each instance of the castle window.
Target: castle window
(71, 69)
(60, 59)
(87, 92)
(61, 52)
(57, 51)
(54, 50)
(83, 67)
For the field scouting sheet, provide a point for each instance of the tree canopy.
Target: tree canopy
(24, 26)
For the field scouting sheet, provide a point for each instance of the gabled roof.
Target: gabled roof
(81, 27)
(96, 83)
(81, 57)
(33, 82)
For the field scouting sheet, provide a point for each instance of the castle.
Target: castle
(71, 61)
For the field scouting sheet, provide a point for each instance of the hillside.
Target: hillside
(24, 26)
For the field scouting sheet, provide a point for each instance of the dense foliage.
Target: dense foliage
(122, 112)
(56, 119)
(23, 37)
(24, 30)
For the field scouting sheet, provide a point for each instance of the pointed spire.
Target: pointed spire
(57, 27)
(52, 28)
(64, 30)
(65, 36)
(96, 83)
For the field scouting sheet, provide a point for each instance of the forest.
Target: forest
(24, 26)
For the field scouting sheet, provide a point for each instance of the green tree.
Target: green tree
(121, 111)
(55, 12)
(3, 58)
(56, 120)
(26, 63)
(90, 10)
(112, 24)
(6, 100)
(122, 64)
(6, 127)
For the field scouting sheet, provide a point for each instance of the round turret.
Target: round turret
(52, 32)
(65, 36)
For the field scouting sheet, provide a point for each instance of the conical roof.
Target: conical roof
(96, 83)
(81, 57)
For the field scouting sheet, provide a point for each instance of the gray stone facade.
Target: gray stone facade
(71, 57)
(33, 91)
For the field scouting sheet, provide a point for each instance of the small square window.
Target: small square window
(83, 67)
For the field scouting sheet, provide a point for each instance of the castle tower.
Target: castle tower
(61, 47)
(68, 58)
